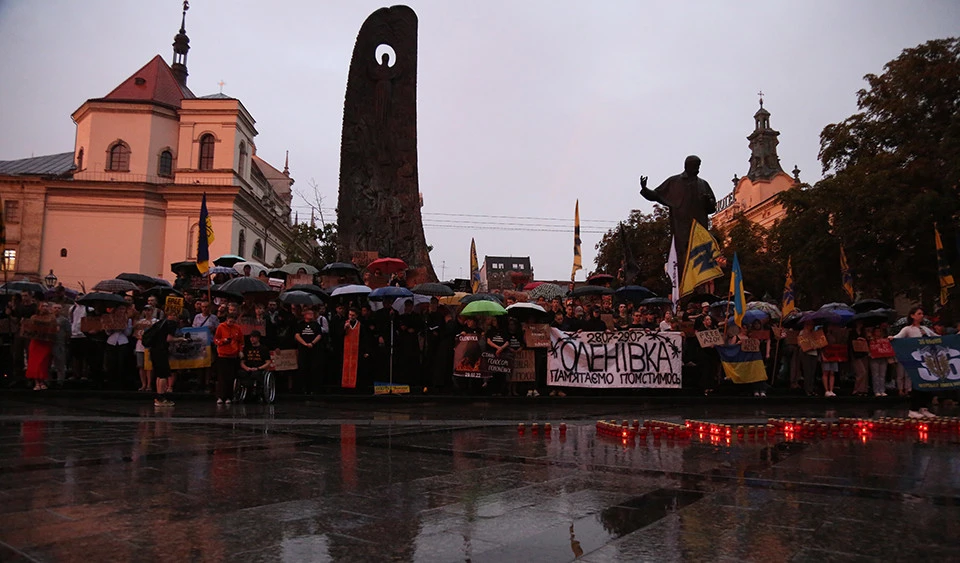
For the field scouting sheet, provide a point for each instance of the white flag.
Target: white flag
(672, 269)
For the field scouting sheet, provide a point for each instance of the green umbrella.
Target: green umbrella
(483, 307)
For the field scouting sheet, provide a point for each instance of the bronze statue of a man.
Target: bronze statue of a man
(689, 199)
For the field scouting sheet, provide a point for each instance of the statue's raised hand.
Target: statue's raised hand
(643, 182)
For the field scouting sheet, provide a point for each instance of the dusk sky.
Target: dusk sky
(524, 106)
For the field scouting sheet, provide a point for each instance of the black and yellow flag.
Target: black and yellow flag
(474, 268)
(204, 237)
(943, 268)
(789, 302)
(701, 263)
(846, 275)
(577, 259)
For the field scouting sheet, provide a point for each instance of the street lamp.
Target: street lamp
(50, 280)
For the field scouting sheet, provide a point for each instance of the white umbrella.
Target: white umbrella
(352, 289)
(255, 268)
(530, 306)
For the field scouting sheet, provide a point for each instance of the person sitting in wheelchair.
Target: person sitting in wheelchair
(255, 362)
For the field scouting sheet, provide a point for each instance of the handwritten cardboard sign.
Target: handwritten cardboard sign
(861, 346)
(750, 345)
(709, 338)
(284, 360)
(115, 320)
(35, 329)
(834, 353)
(536, 335)
(881, 348)
(812, 341)
(492, 364)
(173, 305)
(524, 367)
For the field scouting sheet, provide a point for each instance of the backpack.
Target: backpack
(152, 336)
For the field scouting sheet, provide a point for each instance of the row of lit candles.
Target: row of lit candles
(547, 428)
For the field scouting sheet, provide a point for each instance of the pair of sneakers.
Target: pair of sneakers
(221, 401)
(533, 393)
(163, 403)
(922, 413)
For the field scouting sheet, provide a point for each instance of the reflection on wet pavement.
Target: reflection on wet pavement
(97, 480)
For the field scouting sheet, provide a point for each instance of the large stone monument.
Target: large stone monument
(689, 199)
(379, 205)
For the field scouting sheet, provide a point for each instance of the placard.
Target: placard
(173, 305)
(750, 344)
(467, 356)
(193, 353)
(881, 348)
(492, 365)
(382, 388)
(35, 329)
(811, 340)
(115, 320)
(709, 338)
(250, 324)
(275, 284)
(610, 360)
(861, 346)
(536, 335)
(524, 367)
(90, 324)
(834, 353)
(284, 360)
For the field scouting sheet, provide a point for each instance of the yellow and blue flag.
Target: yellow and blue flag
(701, 263)
(577, 258)
(736, 290)
(474, 268)
(943, 269)
(789, 292)
(845, 274)
(204, 237)
(740, 366)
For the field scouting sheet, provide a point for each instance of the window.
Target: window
(206, 152)
(10, 260)
(118, 157)
(80, 159)
(242, 244)
(11, 211)
(192, 239)
(165, 167)
(243, 158)
(258, 250)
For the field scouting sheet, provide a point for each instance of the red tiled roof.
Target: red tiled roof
(153, 83)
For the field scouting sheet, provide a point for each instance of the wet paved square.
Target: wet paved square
(100, 480)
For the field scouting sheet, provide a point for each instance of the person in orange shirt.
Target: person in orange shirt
(229, 341)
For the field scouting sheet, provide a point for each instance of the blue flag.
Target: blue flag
(204, 237)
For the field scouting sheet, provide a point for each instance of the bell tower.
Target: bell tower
(764, 162)
(181, 44)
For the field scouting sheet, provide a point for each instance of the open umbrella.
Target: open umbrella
(703, 298)
(350, 289)
(185, 268)
(310, 288)
(656, 301)
(24, 285)
(300, 298)
(772, 310)
(634, 294)
(228, 260)
(115, 286)
(794, 318)
(532, 285)
(387, 266)
(591, 290)
(390, 292)
(483, 307)
(483, 297)
(548, 291)
(433, 289)
(865, 305)
(340, 269)
(875, 317)
(98, 298)
(600, 279)
(139, 279)
(160, 292)
(751, 316)
(295, 267)
(527, 311)
(222, 270)
(247, 287)
(255, 268)
(453, 299)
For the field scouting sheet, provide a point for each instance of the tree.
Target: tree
(648, 237)
(322, 242)
(762, 269)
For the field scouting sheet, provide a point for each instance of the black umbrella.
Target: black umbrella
(245, 286)
(482, 297)
(115, 286)
(98, 298)
(340, 269)
(657, 301)
(161, 292)
(589, 290)
(140, 279)
(300, 298)
(793, 319)
(310, 288)
(24, 285)
(866, 305)
(600, 279)
(186, 268)
(875, 317)
(277, 274)
(433, 289)
(229, 260)
(634, 293)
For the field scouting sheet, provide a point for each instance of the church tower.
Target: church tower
(764, 162)
(181, 44)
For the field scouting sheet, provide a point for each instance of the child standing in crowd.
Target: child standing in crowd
(878, 366)
(229, 341)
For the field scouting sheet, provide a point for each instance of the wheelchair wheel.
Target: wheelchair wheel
(239, 391)
(268, 391)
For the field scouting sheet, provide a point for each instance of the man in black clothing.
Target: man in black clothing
(570, 322)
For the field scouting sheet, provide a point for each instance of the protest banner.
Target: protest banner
(275, 284)
(524, 367)
(384, 388)
(811, 341)
(284, 360)
(536, 335)
(493, 365)
(192, 353)
(38, 329)
(620, 359)
(173, 305)
(467, 356)
(115, 320)
(709, 338)
(834, 353)
(932, 362)
(881, 348)
(861, 346)
(750, 344)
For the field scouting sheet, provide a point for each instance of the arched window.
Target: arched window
(243, 158)
(258, 250)
(165, 166)
(192, 239)
(206, 152)
(118, 157)
(80, 160)
(242, 244)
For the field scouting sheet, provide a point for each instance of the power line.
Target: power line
(517, 217)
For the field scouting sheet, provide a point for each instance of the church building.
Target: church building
(755, 195)
(127, 197)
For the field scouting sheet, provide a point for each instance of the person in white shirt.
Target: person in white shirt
(919, 400)
(78, 341)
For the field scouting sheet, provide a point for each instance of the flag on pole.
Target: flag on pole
(943, 268)
(474, 268)
(789, 295)
(673, 272)
(845, 274)
(204, 237)
(736, 290)
(739, 366)
(577, 259)
(700, 265)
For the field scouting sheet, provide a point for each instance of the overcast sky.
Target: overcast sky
(524, 106)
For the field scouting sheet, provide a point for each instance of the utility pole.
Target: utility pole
(443, 269)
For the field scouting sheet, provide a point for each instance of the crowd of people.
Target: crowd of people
(414, 345)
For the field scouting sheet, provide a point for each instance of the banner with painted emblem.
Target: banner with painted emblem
(932, 362)
(631, 359)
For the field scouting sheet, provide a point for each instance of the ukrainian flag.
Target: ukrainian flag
(740, 366)
(845, 274)
(789, 295)
(204, 237)
(943, 269)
